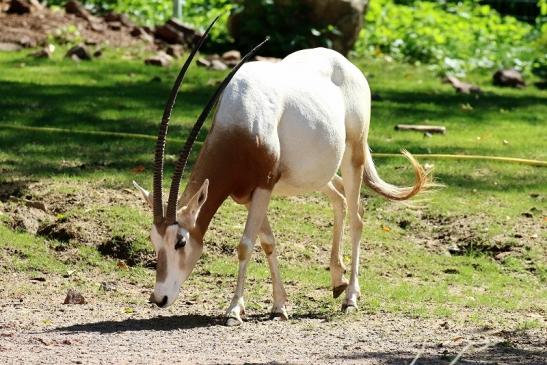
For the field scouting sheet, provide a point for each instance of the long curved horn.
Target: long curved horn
(170, 216)
(160, 143)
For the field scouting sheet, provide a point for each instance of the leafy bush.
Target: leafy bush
(200, 13)
(454, 37)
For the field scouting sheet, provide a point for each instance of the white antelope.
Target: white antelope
(281, 128)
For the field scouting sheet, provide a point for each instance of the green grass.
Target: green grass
(400, 272)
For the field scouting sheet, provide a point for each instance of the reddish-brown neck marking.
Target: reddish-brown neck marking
(235, 164)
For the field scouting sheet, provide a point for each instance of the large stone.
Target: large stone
(161, 59)
(311, 23)
(78, 52)
(175, 32)
(23, 6)
(231, 58)
(169, 34)
(509, 78)
(74, 7)
(121, 18)
(9, 47)
(218, 65)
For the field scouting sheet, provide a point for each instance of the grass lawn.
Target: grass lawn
(474, 250)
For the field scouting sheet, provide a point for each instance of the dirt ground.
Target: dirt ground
(34, 29)
(120, 327)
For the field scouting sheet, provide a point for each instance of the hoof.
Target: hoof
(349, 308)
(280, 316)
(233, 322)
(337, 291)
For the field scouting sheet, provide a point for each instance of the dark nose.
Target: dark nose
(161, 304)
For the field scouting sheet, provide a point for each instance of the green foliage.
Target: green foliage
(200, 13)
(456, 37)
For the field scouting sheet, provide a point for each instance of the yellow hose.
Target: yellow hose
(378, 154)
(468, 157)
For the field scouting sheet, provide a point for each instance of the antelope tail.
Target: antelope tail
(389, 191)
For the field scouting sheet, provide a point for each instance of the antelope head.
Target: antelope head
(174, 235)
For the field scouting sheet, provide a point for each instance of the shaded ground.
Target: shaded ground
(36, 208)
(117, 325)
(106, 330)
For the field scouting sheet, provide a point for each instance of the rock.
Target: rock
(202, 62)
(9, 47)
(137, 32)
(119, 18)
(91, 42)
(24, 6)
(462, 87)
(268, 59)
(190, 34)
(97, 26)
(345, 16)
(231, 58)
(218, 65)
(80, 52)
(140, 32)
(161, 59)
(27, 42)
(115, 25)
(175, 50)
(45, 52)
(508, 78)
(74, 7)
(73, 297)
(232, 55)
(175, 32)
(169, 34)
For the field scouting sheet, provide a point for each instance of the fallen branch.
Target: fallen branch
(462, 87)
(421, 128)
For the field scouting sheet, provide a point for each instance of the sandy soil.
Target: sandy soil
(120, 327)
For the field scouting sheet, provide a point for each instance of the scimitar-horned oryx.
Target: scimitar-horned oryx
(280, 128)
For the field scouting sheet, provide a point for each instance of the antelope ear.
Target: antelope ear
(196, 202)
(145, 194)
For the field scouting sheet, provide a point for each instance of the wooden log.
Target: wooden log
(421, 128)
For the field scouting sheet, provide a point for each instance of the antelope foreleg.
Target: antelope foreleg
(256, 215)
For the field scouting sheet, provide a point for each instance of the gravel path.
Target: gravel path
(37, 331)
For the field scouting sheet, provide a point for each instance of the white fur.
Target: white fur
(303, 109)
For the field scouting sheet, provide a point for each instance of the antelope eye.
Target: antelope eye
(181, 241)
